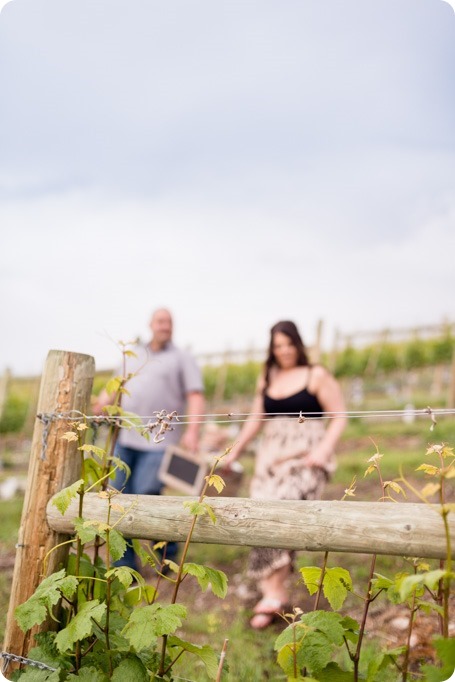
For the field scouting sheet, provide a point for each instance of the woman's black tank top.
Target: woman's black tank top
(303, 401)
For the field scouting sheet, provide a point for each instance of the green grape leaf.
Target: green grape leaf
(286, 658)
(89, 674)
(93, 471)
(315, 652)
(44, 654)
(205, 653)
(201, 509)
(112, 410)
(149, 622)
(70, 436)
(114, 384)
(85, 531)
(118, 465)
(93, 449)
(413, 582)
(208, 576)
(195, 569)
(143, 556)
(62, 499)
(172, 565)
(124, 574)
(47, 595)
(131, 420)
(211, 512)
(34, 675)
(381, 660)
(336, 584)
(326, 622)
(312, 639)
(351, 629)
(81, 625)
(311, 576)
(429, 607)
(130, 670)
(381, 582)
(216, 481)
(137, 594)
(446, 653)
(429, 469)
(333, 673)
(287, 636)
(117, 545)
(374, 665)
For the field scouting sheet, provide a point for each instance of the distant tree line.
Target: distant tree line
(240, 379)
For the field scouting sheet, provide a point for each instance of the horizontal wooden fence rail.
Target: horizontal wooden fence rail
(403, 529)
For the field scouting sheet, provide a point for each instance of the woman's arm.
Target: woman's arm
(328, 392)
(250, 428)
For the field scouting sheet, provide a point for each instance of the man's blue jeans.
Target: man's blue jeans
(144, 465)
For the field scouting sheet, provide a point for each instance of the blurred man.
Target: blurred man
(167, 379)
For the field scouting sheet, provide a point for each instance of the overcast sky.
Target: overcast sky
(237, 161)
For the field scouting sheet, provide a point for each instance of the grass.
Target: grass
(10, 515)
(401, 444)
(248, 657)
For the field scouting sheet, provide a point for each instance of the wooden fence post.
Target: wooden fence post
(221, 378)
(335, 350)
(32, 409)
(4, 381)
(66, 385)
(451, 391)
(316, 350)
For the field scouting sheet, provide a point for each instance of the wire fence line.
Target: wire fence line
(13, 658)
(237, 417)
(160, 422)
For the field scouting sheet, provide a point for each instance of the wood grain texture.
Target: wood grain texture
(66, 385)
(404, 529)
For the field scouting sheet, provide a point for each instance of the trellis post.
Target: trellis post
(5, 378)
(66, 385)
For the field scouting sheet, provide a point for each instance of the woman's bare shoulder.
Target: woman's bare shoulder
(319, 376)
(260, 383)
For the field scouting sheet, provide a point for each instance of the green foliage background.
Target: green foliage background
(238, 380)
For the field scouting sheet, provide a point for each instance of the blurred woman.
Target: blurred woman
(296, 452)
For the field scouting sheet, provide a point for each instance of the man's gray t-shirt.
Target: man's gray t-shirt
(163, 380)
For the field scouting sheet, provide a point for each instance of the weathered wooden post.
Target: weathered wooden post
(335, 350)
(66, 385)
(32, 409)
(316, 349)
(221, 378)
(5, 378)
(451, 391)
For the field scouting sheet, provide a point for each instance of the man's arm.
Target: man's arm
(195, 405)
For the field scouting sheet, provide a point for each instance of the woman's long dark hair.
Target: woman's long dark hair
(289, 328)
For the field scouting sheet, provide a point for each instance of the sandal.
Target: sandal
(260, 621)
(265, 612)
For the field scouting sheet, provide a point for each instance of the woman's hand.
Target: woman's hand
(318, 457)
